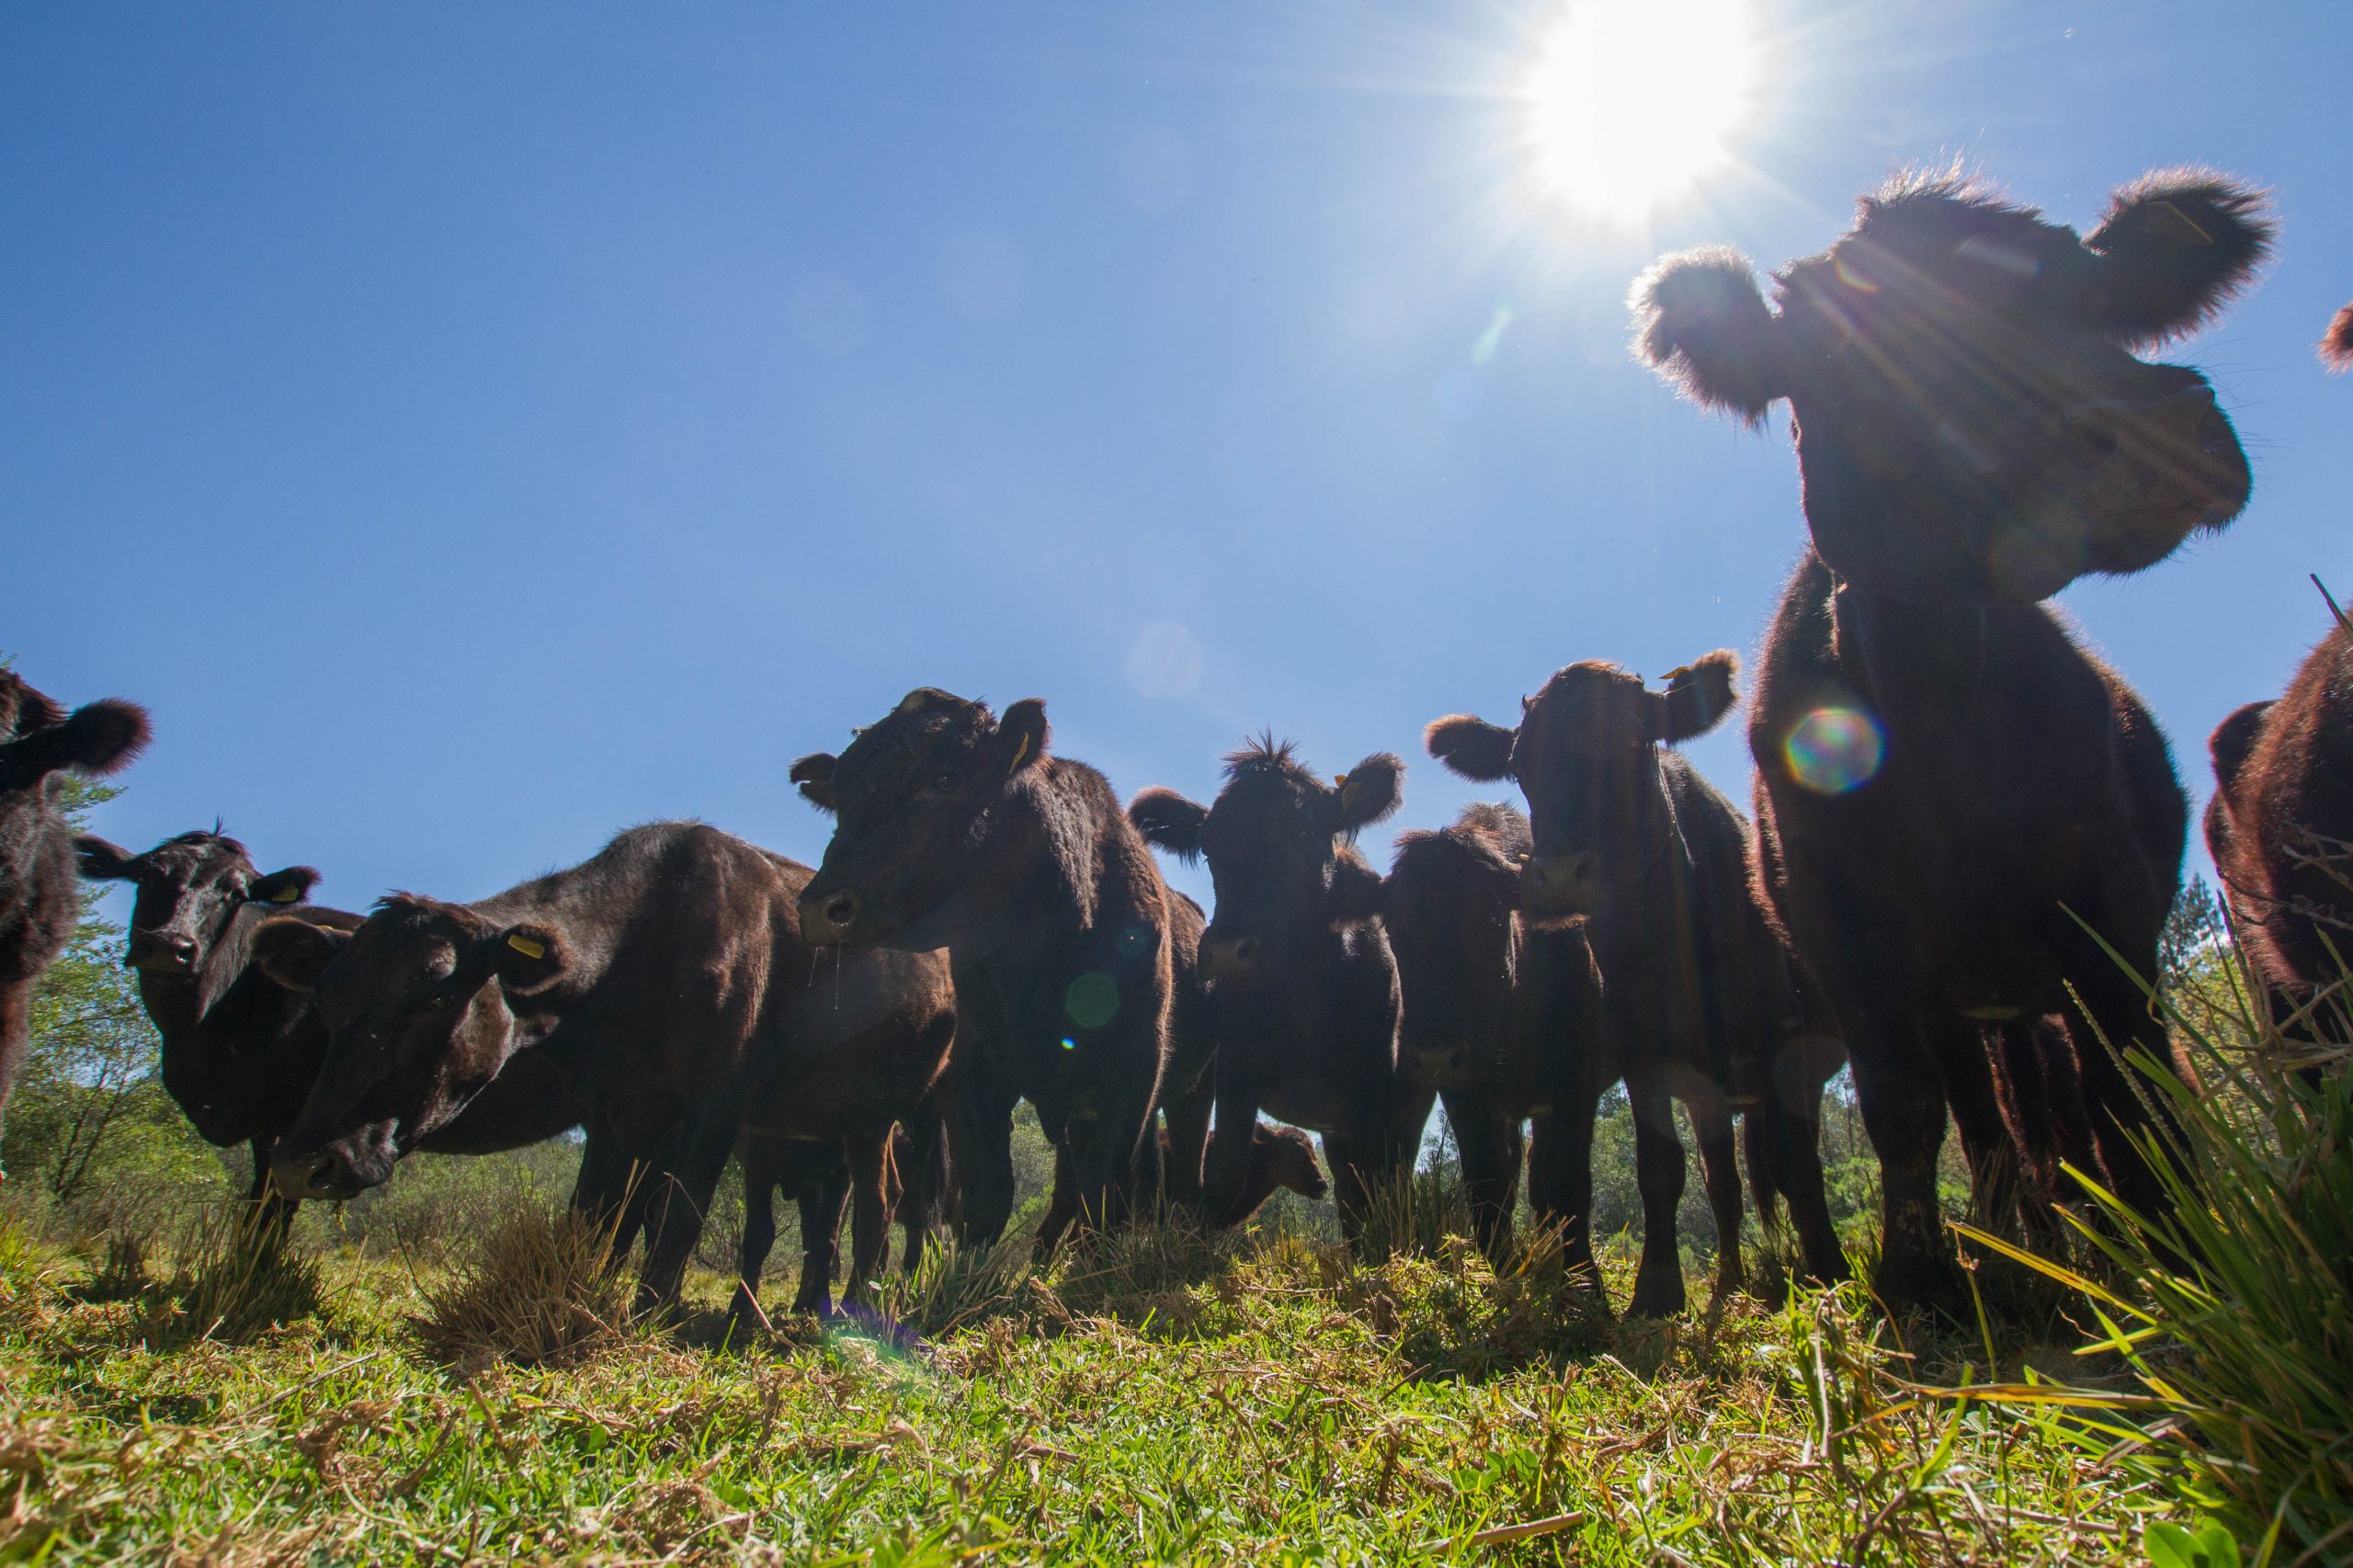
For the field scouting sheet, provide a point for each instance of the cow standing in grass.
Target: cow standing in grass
(39, 899)
(956, 828)
(1306, 1000)
(1627, 839)
(661, 988)
(1503, 1020)
(2280, 824)
(1949, 783)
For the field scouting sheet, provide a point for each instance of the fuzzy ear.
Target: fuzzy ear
(2232, 742)
(294, 952)
(530, 958)
(2174, 247)
(1471, 748)
(814, 774)
(1697, 695)
(2336, 347)
(1355, 894)
(99, 739)
(1701, 323)
(104, 861)
(1021, 735)
(291, 885)
(1369, 791)
(1167, 819)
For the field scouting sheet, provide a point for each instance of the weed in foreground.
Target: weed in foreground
(538, 1288)
(232, 1280)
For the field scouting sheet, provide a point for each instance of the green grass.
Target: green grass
(1167, 1399)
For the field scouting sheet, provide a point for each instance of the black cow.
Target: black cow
(1947, 783)
(1503, 1020)
(1304, 985)
(957, 829)
(1627, 837)
(39, 900)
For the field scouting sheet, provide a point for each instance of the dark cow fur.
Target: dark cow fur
(1502, 1020)
(1628, 838)
(2280, 829)
(1304, 985)
(955, 829)
(816, 1175)
(1280, 1157)
(1973, 432)
(657, 987)
(39, 899)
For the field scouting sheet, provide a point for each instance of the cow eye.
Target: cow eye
(945, 784)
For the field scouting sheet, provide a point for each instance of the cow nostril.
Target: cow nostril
(1246, 949)
(1584, 866)
(841, 909)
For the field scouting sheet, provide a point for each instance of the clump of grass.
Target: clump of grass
(2236, 1313)
(233, 1279)
(538, 1288)
(1413, 1212)
(955, 1287)
(122, 1273)
(1144, 1270)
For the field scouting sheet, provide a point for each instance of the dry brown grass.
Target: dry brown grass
(537, 1288)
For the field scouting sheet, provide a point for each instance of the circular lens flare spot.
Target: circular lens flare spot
(1836, 749)
(1632, 100)
(1092, 999)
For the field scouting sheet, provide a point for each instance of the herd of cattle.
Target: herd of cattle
(1958, 812)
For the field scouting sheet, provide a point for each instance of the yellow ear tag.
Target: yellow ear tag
(1340, 781)
(1020, 752)
(528, 948)
(287, 895)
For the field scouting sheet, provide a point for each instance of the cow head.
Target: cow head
(1587, 756)
(1281, 844)
(1972, 423)
(913, 800)
(189, 891)
(1290, 1157)
(421, 1005)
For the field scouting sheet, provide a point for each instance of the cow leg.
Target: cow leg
(1964, 1054)
(1901, 1095)
(871, 1178)
(1712, 1129)
(981, 1112)
(2119, 1103)
(1794, 1131)
(1658, 1172)
(822, 1201)
(925, 1176)
(1189, 1138)
(1225, 1164)
(15, 1039)
(268, 1211)
(676, 1210)
(609, 1192)
(1492, 1150)
(1062, 1206)
(1560, 1180)
(1353, 1167)
(759, 1227)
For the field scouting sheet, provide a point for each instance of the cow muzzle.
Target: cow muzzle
(160, 952)
(1233, 960)
(831, 918)
(1561, 886)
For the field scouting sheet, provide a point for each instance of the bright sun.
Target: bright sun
(1633, 98)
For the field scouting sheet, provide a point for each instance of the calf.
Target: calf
(654, 988)
(40, 901)
(1280, 1157)
(1502, 1020)
(1627, 839)
(1305, 986)
(1953, 796)
(955, 829)
(2280, 828)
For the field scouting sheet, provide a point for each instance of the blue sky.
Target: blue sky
(473, 430)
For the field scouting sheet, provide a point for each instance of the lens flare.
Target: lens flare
(1634, 99)
(1836, 749)
(1092, 999)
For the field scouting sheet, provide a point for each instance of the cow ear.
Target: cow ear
(1021, 735)
(294, 952)
(814, 774)
(2232, 743)
(2173, 247)
(1697, 695)
(1471, 748)
(2336, 347)
(1167, 819)
(530, 958)
(24, 709)
(1702, 324)
(291, 885)
(1369, 791)
(1355, 894)
(102, 861)
(99, 738)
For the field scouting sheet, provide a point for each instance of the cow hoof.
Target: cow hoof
(1659, 1293)
(1933, 1283)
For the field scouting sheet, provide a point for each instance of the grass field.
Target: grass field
(1162, 1398)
